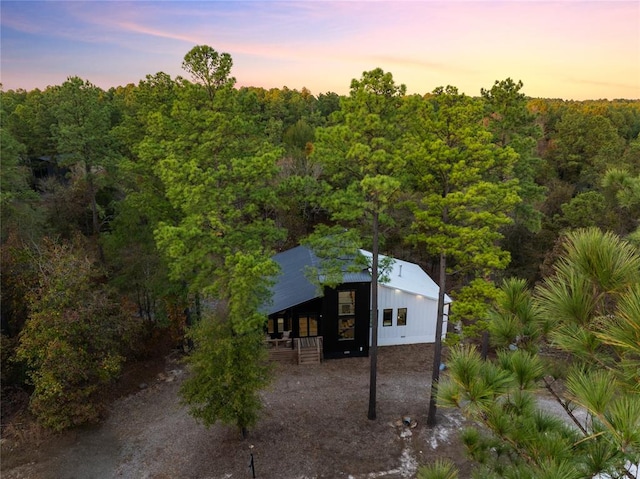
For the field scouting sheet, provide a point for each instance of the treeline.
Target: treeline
(126, 212)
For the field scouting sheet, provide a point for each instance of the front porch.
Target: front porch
(307, 350)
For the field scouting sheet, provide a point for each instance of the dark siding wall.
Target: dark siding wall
(327, 310)
(359, 346)
(292, 314)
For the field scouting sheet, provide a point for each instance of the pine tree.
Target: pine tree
(360, 162)
(591, 306)
(463, 191)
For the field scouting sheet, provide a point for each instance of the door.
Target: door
(307, 325)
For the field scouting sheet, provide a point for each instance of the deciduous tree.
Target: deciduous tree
(73, 339)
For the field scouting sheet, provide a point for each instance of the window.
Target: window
(346, 303)
(346, 328)
(280, 325)
(308, 325)
(346, 315)
(402, 316)
(284, 324)
(387, 317)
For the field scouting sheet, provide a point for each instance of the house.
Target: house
(407, 306)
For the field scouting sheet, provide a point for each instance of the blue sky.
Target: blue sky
(565, 49)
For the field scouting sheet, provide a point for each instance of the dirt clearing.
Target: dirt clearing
(313, 425)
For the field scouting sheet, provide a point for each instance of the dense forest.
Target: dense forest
(130, 214)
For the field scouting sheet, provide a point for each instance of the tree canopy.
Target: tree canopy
(172, 194)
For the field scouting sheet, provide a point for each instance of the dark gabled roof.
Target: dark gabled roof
(292, 286)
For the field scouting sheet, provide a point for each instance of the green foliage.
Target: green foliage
(605, 271)
(627, 194)
(589, 209)
(204, 192)
(19, 277)
(360, 161)
(137, 267)
(359, 155)
(249, 281)
(439, 469)
(461, 191)
(336, 249)
(227, 371)
(462, 186)
(580, 142)
(209, 67)
(28, 117)
(626, 186)
(513, 125)
(591, 305)
(474, 384)
(298, 137)
(14, 178)
(623, 330)
(82, 134)
(472, 303)
(218, 171)
(525, 367)
(515, 318)
(595, 269)
(499, 396)
(585, 146)
(73, 339)
(17, 201)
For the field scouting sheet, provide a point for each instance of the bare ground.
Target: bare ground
(314, 425)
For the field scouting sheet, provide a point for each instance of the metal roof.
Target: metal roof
(409, 277)
(293, 287)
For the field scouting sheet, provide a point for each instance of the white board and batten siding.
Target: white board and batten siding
(420, 322)
(409, 287)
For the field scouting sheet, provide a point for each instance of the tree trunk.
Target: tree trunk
(95, 220)
(485, 345)
(373, 350)
(437, 352)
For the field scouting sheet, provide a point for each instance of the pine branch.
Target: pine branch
(565, 406)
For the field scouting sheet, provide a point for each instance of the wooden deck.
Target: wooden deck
(296, 350)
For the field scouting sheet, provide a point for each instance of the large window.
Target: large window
(387, 317)
(346, 315)
(346, 303)
(402, 316)
(346, 329)
(308, 325)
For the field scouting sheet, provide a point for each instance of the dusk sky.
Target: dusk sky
(565, 49)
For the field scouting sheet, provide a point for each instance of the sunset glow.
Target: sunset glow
(564, 49)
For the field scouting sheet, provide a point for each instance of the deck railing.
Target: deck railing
(298, 350)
